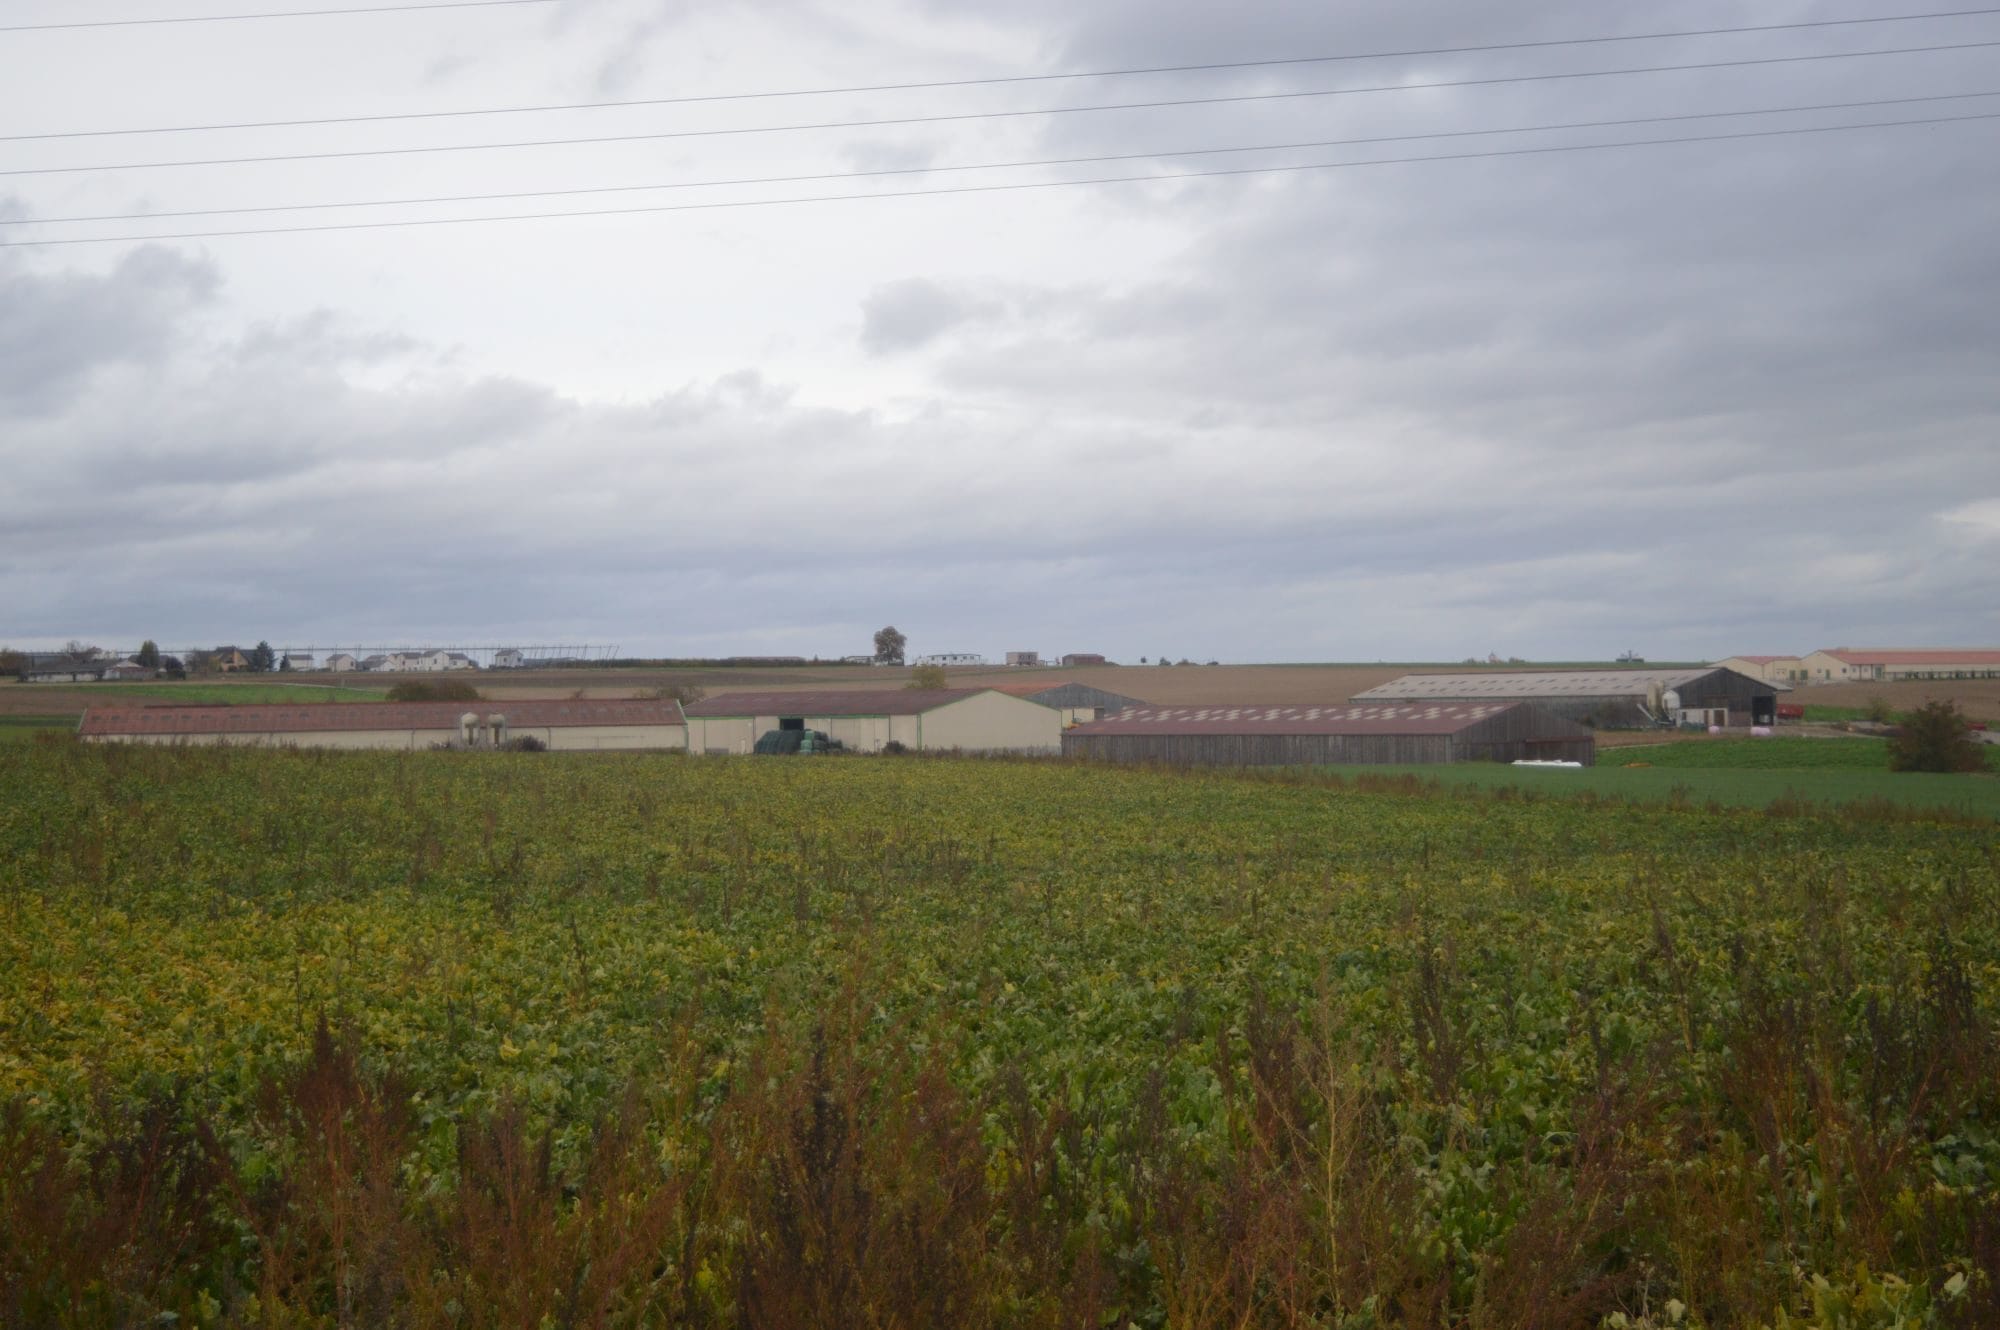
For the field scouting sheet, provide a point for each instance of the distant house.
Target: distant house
(508, 658)
(127, 670)
(435, 662)
(1024, 658)
(298, 660)
(1084, 658)
(342, 662)
(228, 660)
(378, 662)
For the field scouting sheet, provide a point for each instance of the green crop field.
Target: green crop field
(435, 1039)
(1682, 774)
(14, 729)
(1774, 754)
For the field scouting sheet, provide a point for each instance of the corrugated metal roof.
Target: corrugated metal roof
(1542, 683)
(1961, 656)
(832, 702)
(1761, 660)
(1303, 718)
(291, 718)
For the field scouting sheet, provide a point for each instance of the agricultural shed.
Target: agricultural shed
(1606, 699)
(1075, 702)
(1887, 664)
(1315, 735)
(972, 720)
(558, 724)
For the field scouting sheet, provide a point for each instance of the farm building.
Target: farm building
(1609, 699)
(559, 725)
(342, 662)
(1075, 702)
(59, 667)
(1771, 669)
(972, 720)
(1311, 735)
(1079, 658)
(1885, 664)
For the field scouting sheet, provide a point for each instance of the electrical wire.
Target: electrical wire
(297, 13)
(996, 188)
(961, 117)
(1210, 67)
(1008, 166)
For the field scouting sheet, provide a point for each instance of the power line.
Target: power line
(1002, 188)
(937, 84)
(1008, 166)
(296, 13)
(997, 115)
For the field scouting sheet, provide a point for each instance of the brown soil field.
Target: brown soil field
(1977, 698)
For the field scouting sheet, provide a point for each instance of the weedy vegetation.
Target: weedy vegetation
(319, 1039)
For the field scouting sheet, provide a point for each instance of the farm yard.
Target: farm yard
(304, 1038)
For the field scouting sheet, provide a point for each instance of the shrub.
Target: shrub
(433, 690)
(894, 748)
(1879, 710)
(526, 743)
(928, 676)
(1935, 737)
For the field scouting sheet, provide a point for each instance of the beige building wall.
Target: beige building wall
(293, 739)
(569, 738)
(993, 722)
(600, 738)
(720, 734)
(1785, 669)
(1821, 667)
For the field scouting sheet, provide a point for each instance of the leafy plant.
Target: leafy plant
(1935, 737)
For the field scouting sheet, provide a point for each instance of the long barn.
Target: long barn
(1606, 699)
(1316, 735)
(969, 720)
(576, 724)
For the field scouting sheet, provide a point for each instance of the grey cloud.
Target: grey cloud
(914, 312)
(55, 332)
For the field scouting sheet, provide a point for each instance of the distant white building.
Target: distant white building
(951, 658)
(509, 658)
(298, 660)
(342, 662)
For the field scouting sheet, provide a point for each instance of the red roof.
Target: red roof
(1763, 660)
(833, 702)
(294, 718)
(1869, 656)
(1402, 718)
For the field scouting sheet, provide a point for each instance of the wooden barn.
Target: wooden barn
(1604, 699)
(1321, 735)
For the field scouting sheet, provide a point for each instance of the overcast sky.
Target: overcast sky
(1690, 399)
